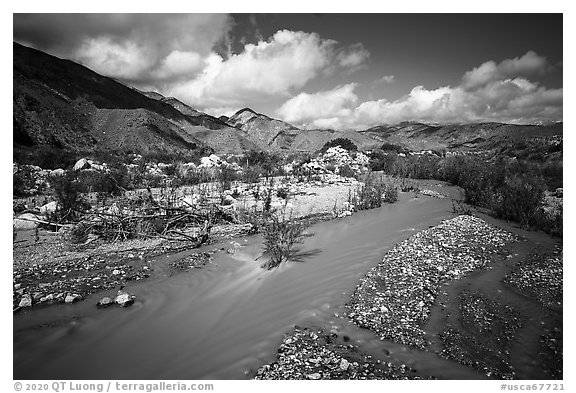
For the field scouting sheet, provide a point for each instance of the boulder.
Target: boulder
(72, 298)
(26, 301)
(228, 200)
(105, 302)
(25, 222)
(58, 172)
(49, 208)
(124, 299)
(81, 164)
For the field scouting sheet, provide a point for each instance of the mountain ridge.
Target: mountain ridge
(63, 104)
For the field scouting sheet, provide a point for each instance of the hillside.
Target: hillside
(264, 131)
(65, 105)
(477, 136)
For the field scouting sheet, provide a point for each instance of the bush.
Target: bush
(394, 148)
(344, 143)
(225, 177)
(281, 234)
(68, 194)
(22, 182)
(518, 199)
(380, 161)
(251, 174)
(46, 157)
(346, 171)
(372, 192)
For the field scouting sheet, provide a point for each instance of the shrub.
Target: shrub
(225, 177)
(372, 192)
(283, 193)
(393, 147)
(380, 161)
(46, 157)
(518, 199)
(251, 174)
(23, 181)
(346, 171)
(67, 191)
(281, 234)
(344, 143)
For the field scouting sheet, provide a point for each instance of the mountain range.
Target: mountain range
(63, 104)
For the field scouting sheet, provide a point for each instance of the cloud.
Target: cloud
(135, 47)
(530, 64)
(482, 96)
(320, 109)
(272, 68)
(189, 56)
(353, 56)
(386, 79)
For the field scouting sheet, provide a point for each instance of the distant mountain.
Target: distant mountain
(194, 116)
(477, 136)
(264, 131)
(63, 104)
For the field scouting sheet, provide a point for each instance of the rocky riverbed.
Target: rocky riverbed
(395, 298)
(540, 277)
(53, 272)
(316, 354)
(442, 292)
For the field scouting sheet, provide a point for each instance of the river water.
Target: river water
(223, 320)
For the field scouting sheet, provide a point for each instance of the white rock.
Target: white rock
(344, 364)
(81, 164)
(72, 298)
(26, 301)
(49, 208)
(124, 299)
(23, 222)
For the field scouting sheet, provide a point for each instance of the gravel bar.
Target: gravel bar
(540, 277)
(308, 354)
(395, 298)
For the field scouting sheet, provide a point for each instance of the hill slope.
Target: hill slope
(64, 104)
(477, 136)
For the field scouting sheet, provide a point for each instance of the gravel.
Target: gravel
(307, 354)
(484, 335)
(395, 298)
(540, 277)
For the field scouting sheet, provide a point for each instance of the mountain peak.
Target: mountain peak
(244, 110)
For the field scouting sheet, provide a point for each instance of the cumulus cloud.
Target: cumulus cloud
(133, 47)
(528, 65)
(319, 109)
(189, 56)
(498, 95)
(275, 67)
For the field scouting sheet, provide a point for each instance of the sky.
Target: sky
(339, 71)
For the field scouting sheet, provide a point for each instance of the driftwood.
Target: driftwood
(154, 219)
